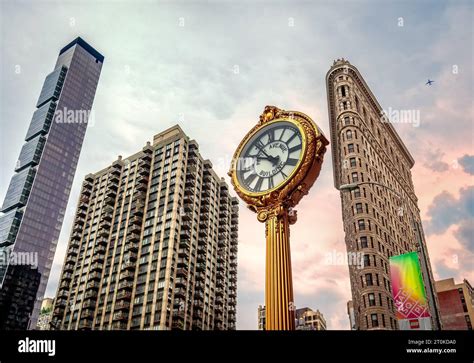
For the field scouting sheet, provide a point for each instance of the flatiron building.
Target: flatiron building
(381, 217)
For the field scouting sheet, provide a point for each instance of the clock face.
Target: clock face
(270, 157)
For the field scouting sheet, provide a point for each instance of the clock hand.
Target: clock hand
(272, 159)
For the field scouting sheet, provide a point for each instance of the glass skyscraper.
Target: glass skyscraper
(34, 206)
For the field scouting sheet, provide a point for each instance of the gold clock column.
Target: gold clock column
(279, 303)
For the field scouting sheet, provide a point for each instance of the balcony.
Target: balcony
(183, 253)
(182, 262)
(200, 258)
(127, 275)
(126, 285)
(219, 292)
(81, 213)
(102, 241)
(221, 258)
(143, 171)
(181, 272)
(87, 314)
(73, 251)
(76, 236)
(94, 276)
(223, 213)
(63, 293)
(200, 267)
(89, 304)
(104, 232)
(120, 316)
(98, 257)
(199, 296)
(96, 267)
(122, 305)
(114, 178)
(145, 163)
(115, 170)
(133, 237)
(67, 276)
(100, 250)
(106, 224)
(85, 324)
(65, 285)
(69, 267)
(127, 265)
(130, 256)
(184, 238)
(83, 205)
(109, 201)
(90, 294)
(142, 186)
(133, 228)
(181, 292)
(62, 302)
(138, 209)
(180, 282)
(107, 216)
(139, 195)
(131, 246)
(123, 295)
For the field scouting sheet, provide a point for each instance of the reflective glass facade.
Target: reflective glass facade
(40, 188)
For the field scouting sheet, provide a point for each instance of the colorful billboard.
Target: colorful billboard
(409, 292)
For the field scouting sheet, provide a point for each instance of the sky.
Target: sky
(211, 67)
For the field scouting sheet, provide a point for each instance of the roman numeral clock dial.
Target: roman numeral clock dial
(270, 157)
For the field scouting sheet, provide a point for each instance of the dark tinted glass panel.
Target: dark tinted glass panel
(9, 224)
(52, 86)
(30, 152)
(19, 189)
(41, 120)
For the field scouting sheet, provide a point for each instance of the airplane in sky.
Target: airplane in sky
(429, 82)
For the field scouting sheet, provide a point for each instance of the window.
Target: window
(349, 134)
(346, 121)
(363, 242)
(368, 277)
(371, 299)
(343, 91)
(357, 193)
(353, 162)
(367, 263)
(359, 208)
(375, 321)
(355, 177)
(350, 148)
(361, 224)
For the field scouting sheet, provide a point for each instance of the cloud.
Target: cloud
(434, 162)
(467, 163)
(446, 211)
(465, 234)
